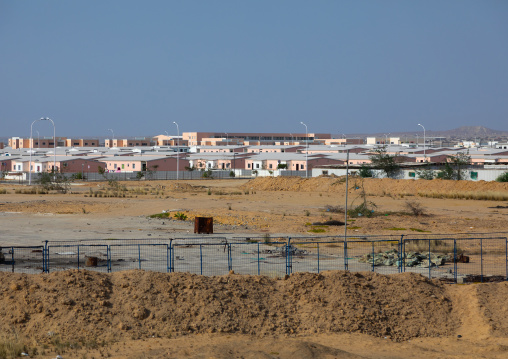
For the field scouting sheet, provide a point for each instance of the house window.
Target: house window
(133, 166)
(248, 165)
(257, 165)
(474, 175)
(270, 166)
(302, 167)
(324, 172)
(412, 174)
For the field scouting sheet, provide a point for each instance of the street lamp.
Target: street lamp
(306, 152)
(112, 137)
(227, 140)
(38, 139)
(178, 149)
(386, 137)
(31, 148)
(292, 141)
(424, 155)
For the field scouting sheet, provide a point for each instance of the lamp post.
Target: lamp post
(292, 141)
(386, 137)
(306, 152)
(38, 139)
(424, 155)
(177, 149)
(112, 137)
(30, 163)
(227, 140)
(31, 147)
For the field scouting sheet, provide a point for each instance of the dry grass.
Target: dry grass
(436, 246)
(481, 196)
(11, 347)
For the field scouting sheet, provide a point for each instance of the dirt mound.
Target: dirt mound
(61, 207)
(85, 306)
(374, 186)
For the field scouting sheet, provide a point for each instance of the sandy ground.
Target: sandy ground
(138, 314)
(286, 206)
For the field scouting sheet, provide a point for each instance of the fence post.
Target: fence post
(230, 259)
(346, 264)
(404, 258)
(12, 258)
(429, 261)
(139, 256)
(481, 260)
(201, 258)
(318, 257)
(455, 259)
(108, 258)
(45, 258)
(288, 257)
(373, 269)
(259, 269)
(171, 257)
(401, 253)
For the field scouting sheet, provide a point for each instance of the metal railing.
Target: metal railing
(454, 258)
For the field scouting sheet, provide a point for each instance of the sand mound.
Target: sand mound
(374, 186)
(84, 306)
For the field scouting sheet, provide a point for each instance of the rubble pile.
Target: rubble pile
(409, 259)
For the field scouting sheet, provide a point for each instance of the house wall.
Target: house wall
(78, 165)
(168, 164)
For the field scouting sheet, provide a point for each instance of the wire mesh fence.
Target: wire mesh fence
(452, 258)
(22, 259)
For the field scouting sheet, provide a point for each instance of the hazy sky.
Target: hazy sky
(252, 66)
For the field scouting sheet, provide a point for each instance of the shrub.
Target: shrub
(334, 209)
(180, 216)
(426, 174)
(502, 177)
(365, 172)
(415, 208)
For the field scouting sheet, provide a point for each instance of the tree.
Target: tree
(460, 162)
(282, 166)
(365, 172)
(502, 177)
(384, 161)
(446, 173)
(53, 181)
(455, 167)
(425, 173)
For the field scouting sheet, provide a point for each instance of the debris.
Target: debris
(411, 259)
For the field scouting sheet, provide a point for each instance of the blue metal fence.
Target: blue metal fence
(453, 258)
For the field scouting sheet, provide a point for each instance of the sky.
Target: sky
(135, 67)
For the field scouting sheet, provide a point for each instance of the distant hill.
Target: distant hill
(464, 132)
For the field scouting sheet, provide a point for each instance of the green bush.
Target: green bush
(365, 172)
(502, 177)
(180, 216)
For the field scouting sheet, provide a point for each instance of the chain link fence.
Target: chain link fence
(453, 258)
